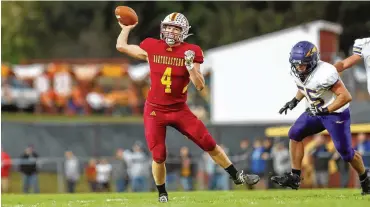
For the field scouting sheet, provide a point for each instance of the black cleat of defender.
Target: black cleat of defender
(249, 179)
(287, 180)
(163, 198)
(365, 184)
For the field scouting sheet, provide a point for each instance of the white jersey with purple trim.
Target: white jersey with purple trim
(362, 48)
(317, 85)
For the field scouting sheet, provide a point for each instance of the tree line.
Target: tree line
(39, 29)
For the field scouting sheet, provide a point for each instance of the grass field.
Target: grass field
(284, 198)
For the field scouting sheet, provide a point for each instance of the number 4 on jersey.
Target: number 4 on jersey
(166, 80)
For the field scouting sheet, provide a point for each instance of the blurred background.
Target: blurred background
(72, 104)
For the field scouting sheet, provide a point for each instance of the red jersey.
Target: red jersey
(6, 164)
(168, 74)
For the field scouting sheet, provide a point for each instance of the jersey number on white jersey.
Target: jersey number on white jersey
(318, 102)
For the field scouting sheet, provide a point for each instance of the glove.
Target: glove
(317, 111)
(289, 105)
(189, 58)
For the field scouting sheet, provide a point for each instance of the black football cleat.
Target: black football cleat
(163, 198)
(287, 180)
(248, 179)
(365, 184)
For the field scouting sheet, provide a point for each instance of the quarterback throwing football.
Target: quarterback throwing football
(173, 63)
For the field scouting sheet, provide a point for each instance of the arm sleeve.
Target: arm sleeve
(199, 56)
(357, 46)
(146, 44)
(331, 78)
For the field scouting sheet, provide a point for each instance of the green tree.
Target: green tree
(21, 25)
(85, 29)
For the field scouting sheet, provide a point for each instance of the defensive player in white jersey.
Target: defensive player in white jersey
(361, 50)
(328, 100)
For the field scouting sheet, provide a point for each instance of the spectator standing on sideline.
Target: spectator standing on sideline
(202, 176)
(90, 172)
(103, 175)
(138, 167)
(187, 169)
(6, 164)
(280, 159)
(268, 157)
(119, 171)
(258, 164)
(28, 168)
(72, 172)
(243, 158)
(321, 156)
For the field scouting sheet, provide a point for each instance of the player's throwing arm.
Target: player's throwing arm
(127, 19)
(132, 50)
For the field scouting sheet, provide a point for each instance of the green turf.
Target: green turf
(25, 117)
(284, 198)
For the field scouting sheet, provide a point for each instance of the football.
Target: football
(126, 16)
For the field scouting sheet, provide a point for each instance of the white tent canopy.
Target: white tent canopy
(251, 79)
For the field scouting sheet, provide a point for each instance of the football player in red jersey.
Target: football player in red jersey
(173, 63)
